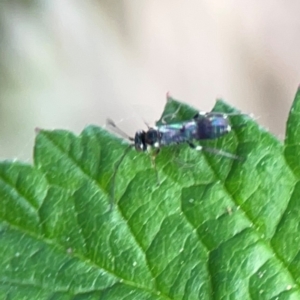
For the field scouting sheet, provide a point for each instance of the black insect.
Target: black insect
(203, 126)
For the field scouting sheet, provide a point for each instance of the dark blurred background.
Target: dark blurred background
(66, 64)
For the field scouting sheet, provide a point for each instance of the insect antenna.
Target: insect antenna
(111, 124)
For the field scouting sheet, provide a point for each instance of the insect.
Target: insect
(203, 126)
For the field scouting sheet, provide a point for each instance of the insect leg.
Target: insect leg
(153, 157)
(215, 151)
(113, 179)
(181, 163)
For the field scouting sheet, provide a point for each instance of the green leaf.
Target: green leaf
(215, 228)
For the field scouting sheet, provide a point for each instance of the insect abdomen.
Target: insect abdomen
(212, 127)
